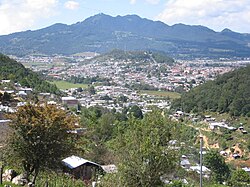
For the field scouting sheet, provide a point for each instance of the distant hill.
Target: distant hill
(135, 56)
(102, 33)
(228, 93)
(10, 69)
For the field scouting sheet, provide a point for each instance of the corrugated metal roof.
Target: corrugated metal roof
(75, 161)
(246, 169)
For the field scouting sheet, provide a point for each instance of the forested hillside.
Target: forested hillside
(228, 93)
(10, 69)
(136, 56)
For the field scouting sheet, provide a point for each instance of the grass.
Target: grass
(37, 64)
(171, 95)
(54, 180)
(67, 85)
(9, 183)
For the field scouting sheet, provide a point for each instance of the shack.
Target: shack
(81, 168)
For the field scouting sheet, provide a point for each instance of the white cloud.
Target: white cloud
(216, 14)
(154, 2)
(132, 1)
(72, 5)
(17, 15)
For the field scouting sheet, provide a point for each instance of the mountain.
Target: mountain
(10, 69)
(102, 33)
(230, 93)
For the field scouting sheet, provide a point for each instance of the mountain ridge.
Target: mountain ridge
(102, 33)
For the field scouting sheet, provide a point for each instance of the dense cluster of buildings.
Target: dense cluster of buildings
(184, 74)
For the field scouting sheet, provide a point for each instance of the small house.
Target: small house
(185, 163)
(26, 90)
(247, 169)
(244, 132)
(236, 155)
(70, 101)
(205, 171)
(81, 168)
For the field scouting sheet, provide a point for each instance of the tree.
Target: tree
(40, 137)
(79, 89)
(248, 144)
(123, 98)
(6, 97)
(91, 90)
(136, 112)
(100, 126)
(216, 163)
(240, 178)
(143, 151)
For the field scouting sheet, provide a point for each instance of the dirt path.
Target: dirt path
(205, 142)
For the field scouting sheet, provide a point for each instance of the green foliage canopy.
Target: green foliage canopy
(228, 93)
(10, 69)
(40, 137)
(240, 178)
(143, 151)
(215, 162)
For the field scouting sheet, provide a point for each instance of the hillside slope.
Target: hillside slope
(102, 33)
(135, 56)
(228, 93)
(10, 69)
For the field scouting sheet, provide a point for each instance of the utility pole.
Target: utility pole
(201, 145)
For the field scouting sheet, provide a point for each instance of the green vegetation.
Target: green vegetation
(171, 95)
(87, 80)
(139, 145)
(9, 183)
(67, 85)
(91, 90)
(143, 153)
(5, 97)
(144, 145)
(39, 138)
(10, 69)
(216, 163)
(37, 64)
(137, 56)
(55, 179)
(136, 112)
(229, 93)
(240, 178)
(141, 86)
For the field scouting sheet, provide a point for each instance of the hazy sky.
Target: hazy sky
(21, 15)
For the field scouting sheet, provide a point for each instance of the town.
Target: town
(124, 84)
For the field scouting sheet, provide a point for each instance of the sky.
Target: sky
(22, 15)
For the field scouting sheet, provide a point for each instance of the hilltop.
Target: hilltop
(229, 93)
(135, 56)
(12, 70)
(102, 33)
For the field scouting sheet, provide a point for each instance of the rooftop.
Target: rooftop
(75, 161)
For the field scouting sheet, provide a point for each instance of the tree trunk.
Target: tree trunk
(1, 174)
(35, 175)
(46, 183)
